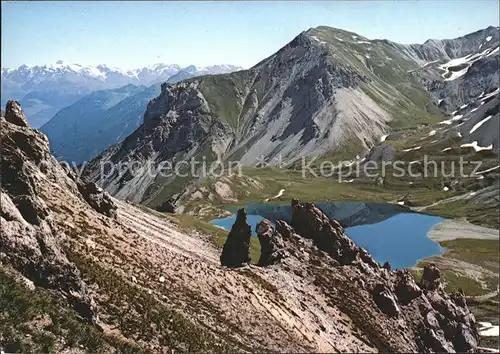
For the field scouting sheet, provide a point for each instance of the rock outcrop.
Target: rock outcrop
(271, 243)
(399, 313)
(170, 205)
(328, 235)
(97, 198)
(236, 251)
(30, 242)
(15, 115)
(430, 278)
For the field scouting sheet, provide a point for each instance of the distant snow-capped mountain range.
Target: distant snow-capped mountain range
(147, 75)
(45, 89)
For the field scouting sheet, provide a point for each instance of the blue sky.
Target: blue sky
(133, 34)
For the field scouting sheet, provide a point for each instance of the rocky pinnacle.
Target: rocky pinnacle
(237, 246)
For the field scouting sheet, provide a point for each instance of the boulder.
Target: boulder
(385, 300)
(435, 339)
(97, 198)
(466, 339)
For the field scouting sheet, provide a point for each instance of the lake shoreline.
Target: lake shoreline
(451, 229)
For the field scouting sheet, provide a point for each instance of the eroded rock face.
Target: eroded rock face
(385, 300)
(94, 195)
(328, 235)
(33, 249)
(236, 251)
(405, 287)
(271, 243)
(30, 242)
(399, 314)
(440, 322)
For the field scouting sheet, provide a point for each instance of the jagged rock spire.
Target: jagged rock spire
(328, 235)
(236, 251)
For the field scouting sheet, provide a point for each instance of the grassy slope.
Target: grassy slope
(482, 252)
(390, 83)
(475, 213)
(223, 93)
(476, 252)
(190, 223)
(21, 310)
(125, 306)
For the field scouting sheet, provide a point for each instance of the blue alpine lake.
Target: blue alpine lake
(399, 237)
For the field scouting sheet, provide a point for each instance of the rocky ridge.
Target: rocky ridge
(457, 71)
(30, 241)
(81, 131)
(417, 316)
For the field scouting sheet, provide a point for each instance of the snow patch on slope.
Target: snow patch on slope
(458, 67)
(475, 127)
(476, 147)
(495, 51)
